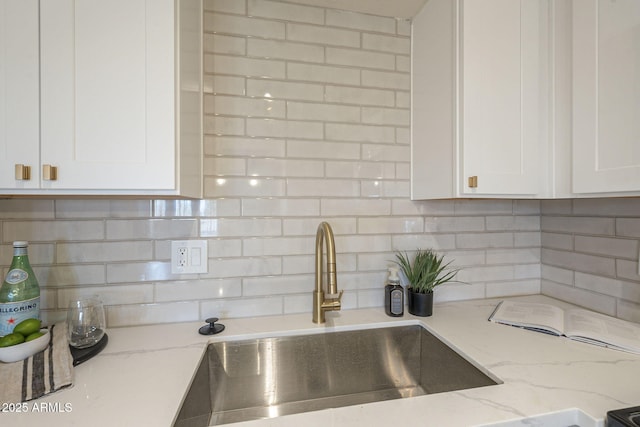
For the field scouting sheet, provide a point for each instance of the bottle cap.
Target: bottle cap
(393, 274)
(20, 244)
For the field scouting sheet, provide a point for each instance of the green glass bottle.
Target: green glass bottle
(20, 292)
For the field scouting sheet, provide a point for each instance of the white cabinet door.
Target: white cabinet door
(501, 102)
(606, 96)
(108, 93)
(479, 99)
(19, 92)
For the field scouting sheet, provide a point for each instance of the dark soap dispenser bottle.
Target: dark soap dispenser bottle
(394, 294)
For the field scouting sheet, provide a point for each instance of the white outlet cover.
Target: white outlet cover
(195, 257)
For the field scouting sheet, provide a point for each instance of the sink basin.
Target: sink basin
(269, 377)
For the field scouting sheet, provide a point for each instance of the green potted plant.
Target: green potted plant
(426, 271)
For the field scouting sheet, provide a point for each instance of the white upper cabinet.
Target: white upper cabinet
(120, 97)
(19, 94)
(480, 99)
(606, 97)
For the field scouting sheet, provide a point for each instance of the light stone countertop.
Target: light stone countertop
(143, 373)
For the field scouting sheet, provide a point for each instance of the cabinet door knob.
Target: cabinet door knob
(473, 181)
(23, 173)
(49, 173)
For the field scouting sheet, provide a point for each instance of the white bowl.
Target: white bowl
(21, 351)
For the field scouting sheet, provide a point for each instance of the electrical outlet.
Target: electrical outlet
(188, 256)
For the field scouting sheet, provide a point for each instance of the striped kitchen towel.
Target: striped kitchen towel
(43, 373)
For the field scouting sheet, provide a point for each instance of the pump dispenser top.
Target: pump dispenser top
(393, 276)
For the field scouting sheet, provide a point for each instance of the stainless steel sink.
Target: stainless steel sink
(269, 377)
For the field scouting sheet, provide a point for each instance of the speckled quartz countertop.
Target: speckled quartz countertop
(142, 375)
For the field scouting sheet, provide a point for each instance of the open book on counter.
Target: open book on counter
(576, 324)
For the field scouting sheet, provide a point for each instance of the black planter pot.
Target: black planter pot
(420, 304)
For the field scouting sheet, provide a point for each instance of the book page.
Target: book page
(589, 326)
(542, 317)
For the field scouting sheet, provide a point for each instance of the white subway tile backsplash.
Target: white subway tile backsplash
(70, 275)
(224, 167)
(280, 207)
(27, 209)
(403, 27)
(367, 170)
(245, 67)
(394, 225)
(51, 231)
(242, 307)
(559, 275)
(360, 133)
(240, 106)
(110, 295)
(322, 188)
(279, 49)
(607, 246)
(617, 288)
(226, 6)
(285, 90)
(199, 289)
(259, 246)
(122, 229)
(284, 128)
(360, 58)
(514, 256)
(411, 242)
(245, 26)
(196, 208)
(286, 11)
(359, 96)
(484, 240)
(323, 73)
(386, 79)
(228, 125)
(244, 147)
(384, 43)
(285, 167)
(151, 314)
(216, 43)
(309, 226)
(241, 227)
(323, 150)
(454, 224)
(386, 116)
(403, 63)
(358, 21)
(354, 207)
(307, 120)
(102, 208)
(244, 267)
(323, 112)
(322, 35)
(590, 300)
(265, 286)
(384, 188)
(583, 225)
(628, 227)
(580, 262)
(72, 253)
(512, 288)
(522, 223)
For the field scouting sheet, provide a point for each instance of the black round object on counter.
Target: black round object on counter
(212, 328)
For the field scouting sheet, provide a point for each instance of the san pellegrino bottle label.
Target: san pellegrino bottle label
(13, 313)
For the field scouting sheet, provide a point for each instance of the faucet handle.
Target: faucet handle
(332, 304)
